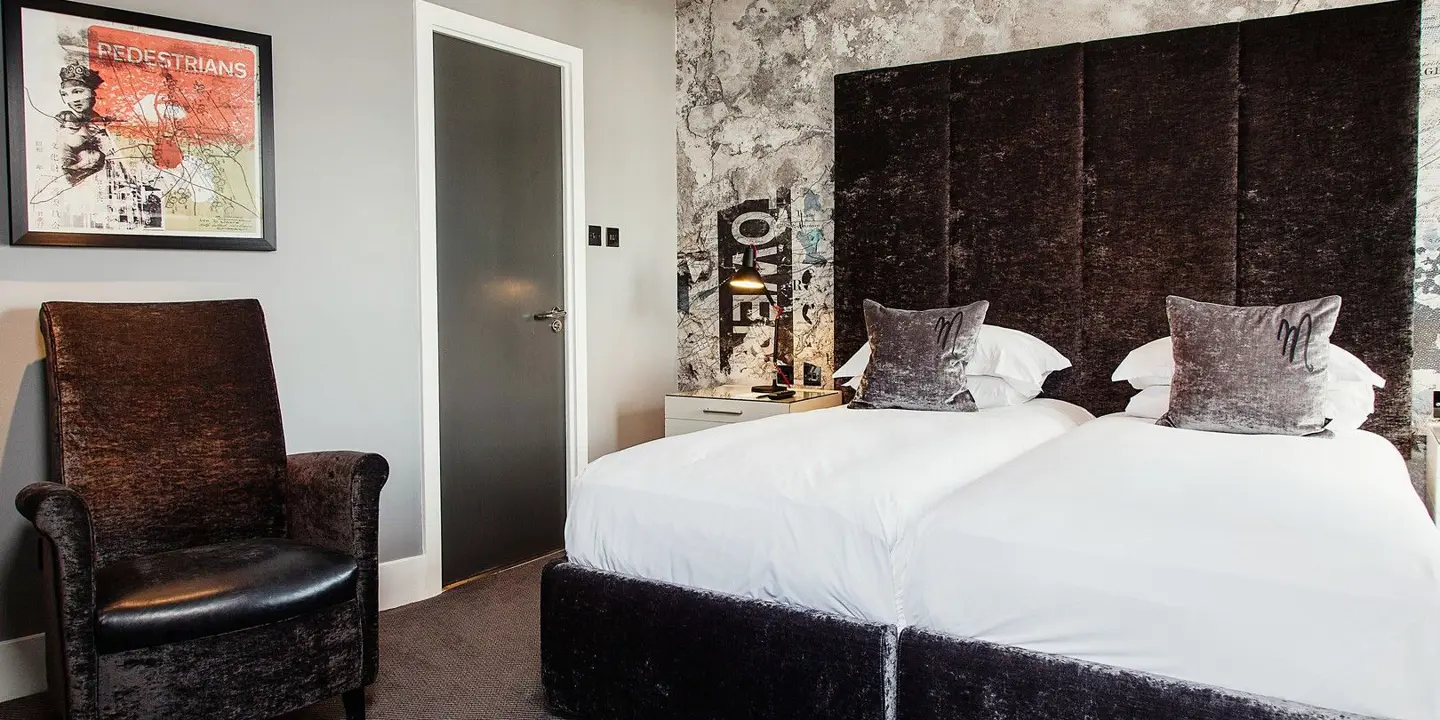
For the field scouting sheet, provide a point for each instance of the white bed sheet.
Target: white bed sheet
(1300, 568)
(802, 509)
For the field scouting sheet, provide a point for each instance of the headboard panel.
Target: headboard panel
(1075, 187)
(892, 193)
(1160, 166)
(1328, 180)
(1015, 181)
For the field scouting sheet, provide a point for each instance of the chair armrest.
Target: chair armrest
(332, 500)
(57, 511)
(63, 519)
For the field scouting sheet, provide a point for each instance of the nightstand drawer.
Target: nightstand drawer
(720, 410)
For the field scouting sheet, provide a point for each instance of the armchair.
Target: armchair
(192, 569)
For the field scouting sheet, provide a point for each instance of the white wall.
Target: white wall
(341, 294)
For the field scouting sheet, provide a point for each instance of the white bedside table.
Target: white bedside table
(686, 412)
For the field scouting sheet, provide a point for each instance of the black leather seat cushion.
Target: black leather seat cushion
(201, 591)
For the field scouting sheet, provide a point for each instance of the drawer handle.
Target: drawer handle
(708, 411)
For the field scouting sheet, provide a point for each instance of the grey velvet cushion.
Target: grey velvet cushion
(918, 357)
(1250, 370)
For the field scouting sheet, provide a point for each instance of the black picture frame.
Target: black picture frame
(15, 174)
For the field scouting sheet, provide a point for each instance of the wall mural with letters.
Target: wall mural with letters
(756, 148)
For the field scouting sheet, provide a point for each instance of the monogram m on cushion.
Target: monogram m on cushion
(191, 568)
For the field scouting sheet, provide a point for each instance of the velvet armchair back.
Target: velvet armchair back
(173, 449)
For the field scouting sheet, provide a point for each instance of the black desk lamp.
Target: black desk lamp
(747, 278)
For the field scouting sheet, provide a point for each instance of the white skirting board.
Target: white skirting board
(22, 667)
(22, 660)
(403, 582)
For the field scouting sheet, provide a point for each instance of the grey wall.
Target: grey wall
(342, 292)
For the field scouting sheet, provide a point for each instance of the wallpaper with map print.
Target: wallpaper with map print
(756, 97)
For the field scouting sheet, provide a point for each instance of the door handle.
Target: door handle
(555, 315)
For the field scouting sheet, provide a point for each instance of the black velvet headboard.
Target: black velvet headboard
(1075, 187)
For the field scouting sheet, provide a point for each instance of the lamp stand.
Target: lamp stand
(749, 279)
(774, 350)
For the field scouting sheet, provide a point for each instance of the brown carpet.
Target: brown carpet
(472, 652)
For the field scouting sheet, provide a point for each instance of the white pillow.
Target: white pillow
(1348, 403)
(855, 366)
(1147, 366)
(1020, 358)
(1153, 364)
(990, 391)
(1152, 402)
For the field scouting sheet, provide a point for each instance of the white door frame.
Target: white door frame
(430, 19)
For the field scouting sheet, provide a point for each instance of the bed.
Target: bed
(1074, 188)
(720, 511)
(1247, 164)
(1290, 567)
(709, 576)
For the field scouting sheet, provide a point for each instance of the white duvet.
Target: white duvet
(1300, 568)
(803, 509)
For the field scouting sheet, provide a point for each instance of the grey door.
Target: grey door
(499, 214)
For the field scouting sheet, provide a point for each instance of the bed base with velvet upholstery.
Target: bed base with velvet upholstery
(614, 647)
(941, 677)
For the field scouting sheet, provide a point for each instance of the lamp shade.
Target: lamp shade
(746, 277)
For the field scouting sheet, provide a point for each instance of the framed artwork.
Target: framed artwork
(131, 130)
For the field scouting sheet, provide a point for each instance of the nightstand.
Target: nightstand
(686, 412)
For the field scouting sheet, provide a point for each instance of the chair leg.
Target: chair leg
(354, 701)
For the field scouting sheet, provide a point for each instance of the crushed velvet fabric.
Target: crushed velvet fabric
(68, 581)
(613, 648)
(1251, 370)
(893, 198)
(1246, 164)
(251, 674)
(117, 373)
(1161, 118)
(332, 500)
(918, 357)
(165, 432)
(1327, 195)
(1016, 182)
(942, 678)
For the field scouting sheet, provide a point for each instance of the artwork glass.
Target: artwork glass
(135, 136)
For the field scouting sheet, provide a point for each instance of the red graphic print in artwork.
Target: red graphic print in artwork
(168, 154)
(174, 93)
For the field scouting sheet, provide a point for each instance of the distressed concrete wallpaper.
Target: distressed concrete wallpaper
(755, 100)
